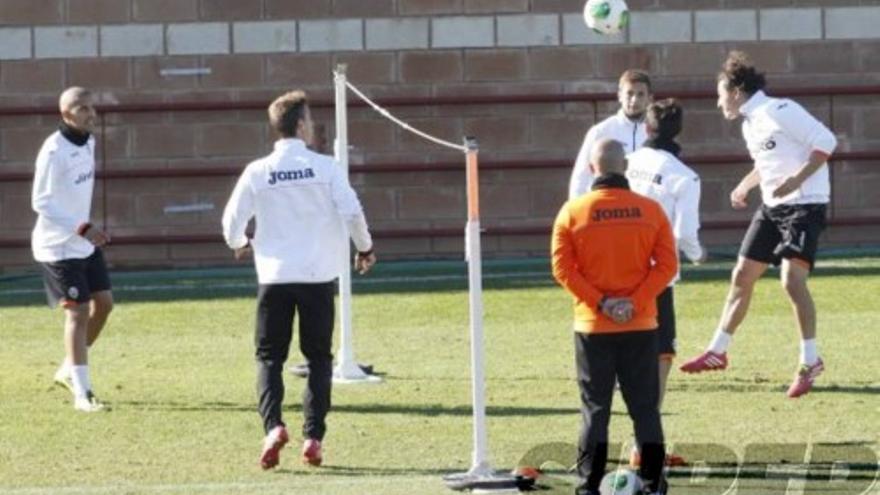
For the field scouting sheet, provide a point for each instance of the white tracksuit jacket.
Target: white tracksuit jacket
(62, 198)
(780, 135)
(662, 177)
(302, 202)
(618, 127)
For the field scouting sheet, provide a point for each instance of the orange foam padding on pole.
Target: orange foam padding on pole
(473, 186)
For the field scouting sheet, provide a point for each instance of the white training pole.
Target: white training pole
(347, 369)
(481, 476)
(473, 255)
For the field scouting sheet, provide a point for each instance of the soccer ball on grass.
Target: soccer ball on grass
(620, 482)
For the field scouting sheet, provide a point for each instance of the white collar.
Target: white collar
(753, 103)
(289, 143)
(626, 120)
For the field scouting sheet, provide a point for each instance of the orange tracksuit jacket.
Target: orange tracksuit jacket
(603, 245)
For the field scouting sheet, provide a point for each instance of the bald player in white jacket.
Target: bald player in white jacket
(67, 245)
(627, 127)
(656, 172)
(302, 203)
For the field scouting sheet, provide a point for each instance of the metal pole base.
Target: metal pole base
(483, 479)
(353, 373)
(301, 370)
(363, 373)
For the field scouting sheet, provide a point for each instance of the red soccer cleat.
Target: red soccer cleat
(672, 460)
(311, 453)
(803, 379)
(635, 458)
(275, 440)
(707, 361)
(529, 472)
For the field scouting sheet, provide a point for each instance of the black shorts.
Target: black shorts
(73, 281)
(666, 324)
(784, 231)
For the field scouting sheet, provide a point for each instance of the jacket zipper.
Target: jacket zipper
(635, 128)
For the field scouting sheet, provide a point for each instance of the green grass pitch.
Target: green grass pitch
(176, 364)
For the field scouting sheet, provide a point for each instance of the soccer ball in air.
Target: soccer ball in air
(620, 482)
(606, 16)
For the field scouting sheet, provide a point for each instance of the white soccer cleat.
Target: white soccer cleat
(89, 403)
(63, 379)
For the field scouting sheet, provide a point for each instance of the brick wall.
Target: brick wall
(143, 51)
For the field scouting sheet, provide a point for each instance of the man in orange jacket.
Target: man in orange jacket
(614, 251)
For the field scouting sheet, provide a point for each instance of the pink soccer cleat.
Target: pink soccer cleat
(803, 379)
(707, 361)
(275, 440)
(311, 453)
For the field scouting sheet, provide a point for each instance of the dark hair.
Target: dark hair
(633, 76)
(738, 72)
(663, 121)
(286, 112)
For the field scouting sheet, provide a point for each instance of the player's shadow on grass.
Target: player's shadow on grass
(747, 386)
(219, 406)
(428, 410)
(338, 470)
(434, 410)
(847, 389)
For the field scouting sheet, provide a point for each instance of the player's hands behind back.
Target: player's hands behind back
(619, 309)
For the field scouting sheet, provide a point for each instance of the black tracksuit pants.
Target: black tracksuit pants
(277, 304)
(630, 359)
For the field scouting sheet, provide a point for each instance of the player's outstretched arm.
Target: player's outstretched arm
(686, 224)
(236, 215)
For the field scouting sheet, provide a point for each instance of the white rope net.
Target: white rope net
(417, 132)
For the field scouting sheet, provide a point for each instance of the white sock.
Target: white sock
(67, 364)
(80, 378)
(809, 353)
(720, 342)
